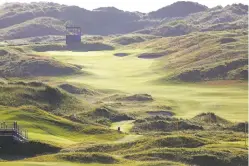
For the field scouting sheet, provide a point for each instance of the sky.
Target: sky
(131, 5)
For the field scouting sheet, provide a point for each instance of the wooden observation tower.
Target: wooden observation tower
(73, 35)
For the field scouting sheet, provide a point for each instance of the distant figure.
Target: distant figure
(118, 128)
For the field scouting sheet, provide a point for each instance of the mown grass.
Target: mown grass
(135, 76)
(125, 126)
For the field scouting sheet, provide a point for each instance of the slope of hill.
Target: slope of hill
(40, 95)
(21, 20)
(214, 19)
(98, 21)
(41, 26)
(178, 9)
(16, 63)
(202, 56)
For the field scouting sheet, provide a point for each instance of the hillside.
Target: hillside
(41, 26)
(22, 20)
(201, 56)
(178, 9)
(110, 21)
(16, 63)
(214, 19)
(41, 96)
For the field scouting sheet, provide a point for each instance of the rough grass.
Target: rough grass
(203, 59)
(78, 157)
(104, 116)
(84, 46)
(15, 63)
(42, 96)
(78, 90)
(131, 38)
(198, 156)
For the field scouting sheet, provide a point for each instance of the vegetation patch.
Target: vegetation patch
(152, 55)
(179, 142)
(199, 156)
(240, 127)
(42, 96)
(210, 118)
(82, 47)
(161, 113)
(136, 97)
(131, 39)
(106, 116)
(164, 124)
(220, 71)
(174, 141)
(76, 90)
(88, 158)
(78, 157)
(18, 64)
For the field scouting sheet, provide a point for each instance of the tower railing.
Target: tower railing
(14, 130)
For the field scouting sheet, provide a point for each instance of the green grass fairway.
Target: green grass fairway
(41, 126)
(134, 75)
(125, 126)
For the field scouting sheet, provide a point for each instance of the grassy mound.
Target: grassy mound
(56, 130)
(106, 116)
(152, 55)
(41, 26)
(85, 46)
(210, 118)
(201, 56)
(220, 71)
(136, 97)
(131, 38)
(178, 141)
(164, 124)
(42, 96)
(174, 141)
(161, 113)
(78, 157)
(240, 127)
(77, 90)
(197, 156)
(18, 64)
(105, 148)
